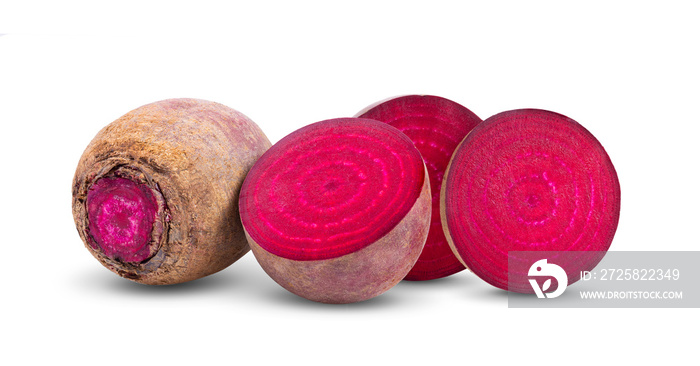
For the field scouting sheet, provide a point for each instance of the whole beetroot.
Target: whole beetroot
(155, 194)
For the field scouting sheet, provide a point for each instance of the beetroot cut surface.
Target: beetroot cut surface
(330, 189)
(529, 180)
(436, 126)
(122, 214)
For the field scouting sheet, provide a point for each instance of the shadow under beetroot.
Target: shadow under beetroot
(500, 296)
(279, 295)
(248, 280)
(106, 281)
(449, 282)
(464, 285)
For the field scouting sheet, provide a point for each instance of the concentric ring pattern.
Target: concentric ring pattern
(436, 126)
(122, 214)
(331, 188)
(529, 180)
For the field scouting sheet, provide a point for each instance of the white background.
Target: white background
(627, 71)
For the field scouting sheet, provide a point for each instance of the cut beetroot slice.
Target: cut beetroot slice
(436, 126)
(529, 180)
(338, 211)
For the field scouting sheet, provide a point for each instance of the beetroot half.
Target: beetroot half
(155, 194)
(529, 180)
(338, 211)
(436, 126)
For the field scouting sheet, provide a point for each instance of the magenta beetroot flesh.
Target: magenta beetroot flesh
(122, 214)
(436, 126)
(529, 180)
(317, 201)
(321, 194)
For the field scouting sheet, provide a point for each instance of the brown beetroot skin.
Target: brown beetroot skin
(338, 211)
(155, 194)
(357, 276)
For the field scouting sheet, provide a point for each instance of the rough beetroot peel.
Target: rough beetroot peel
(155, 192)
